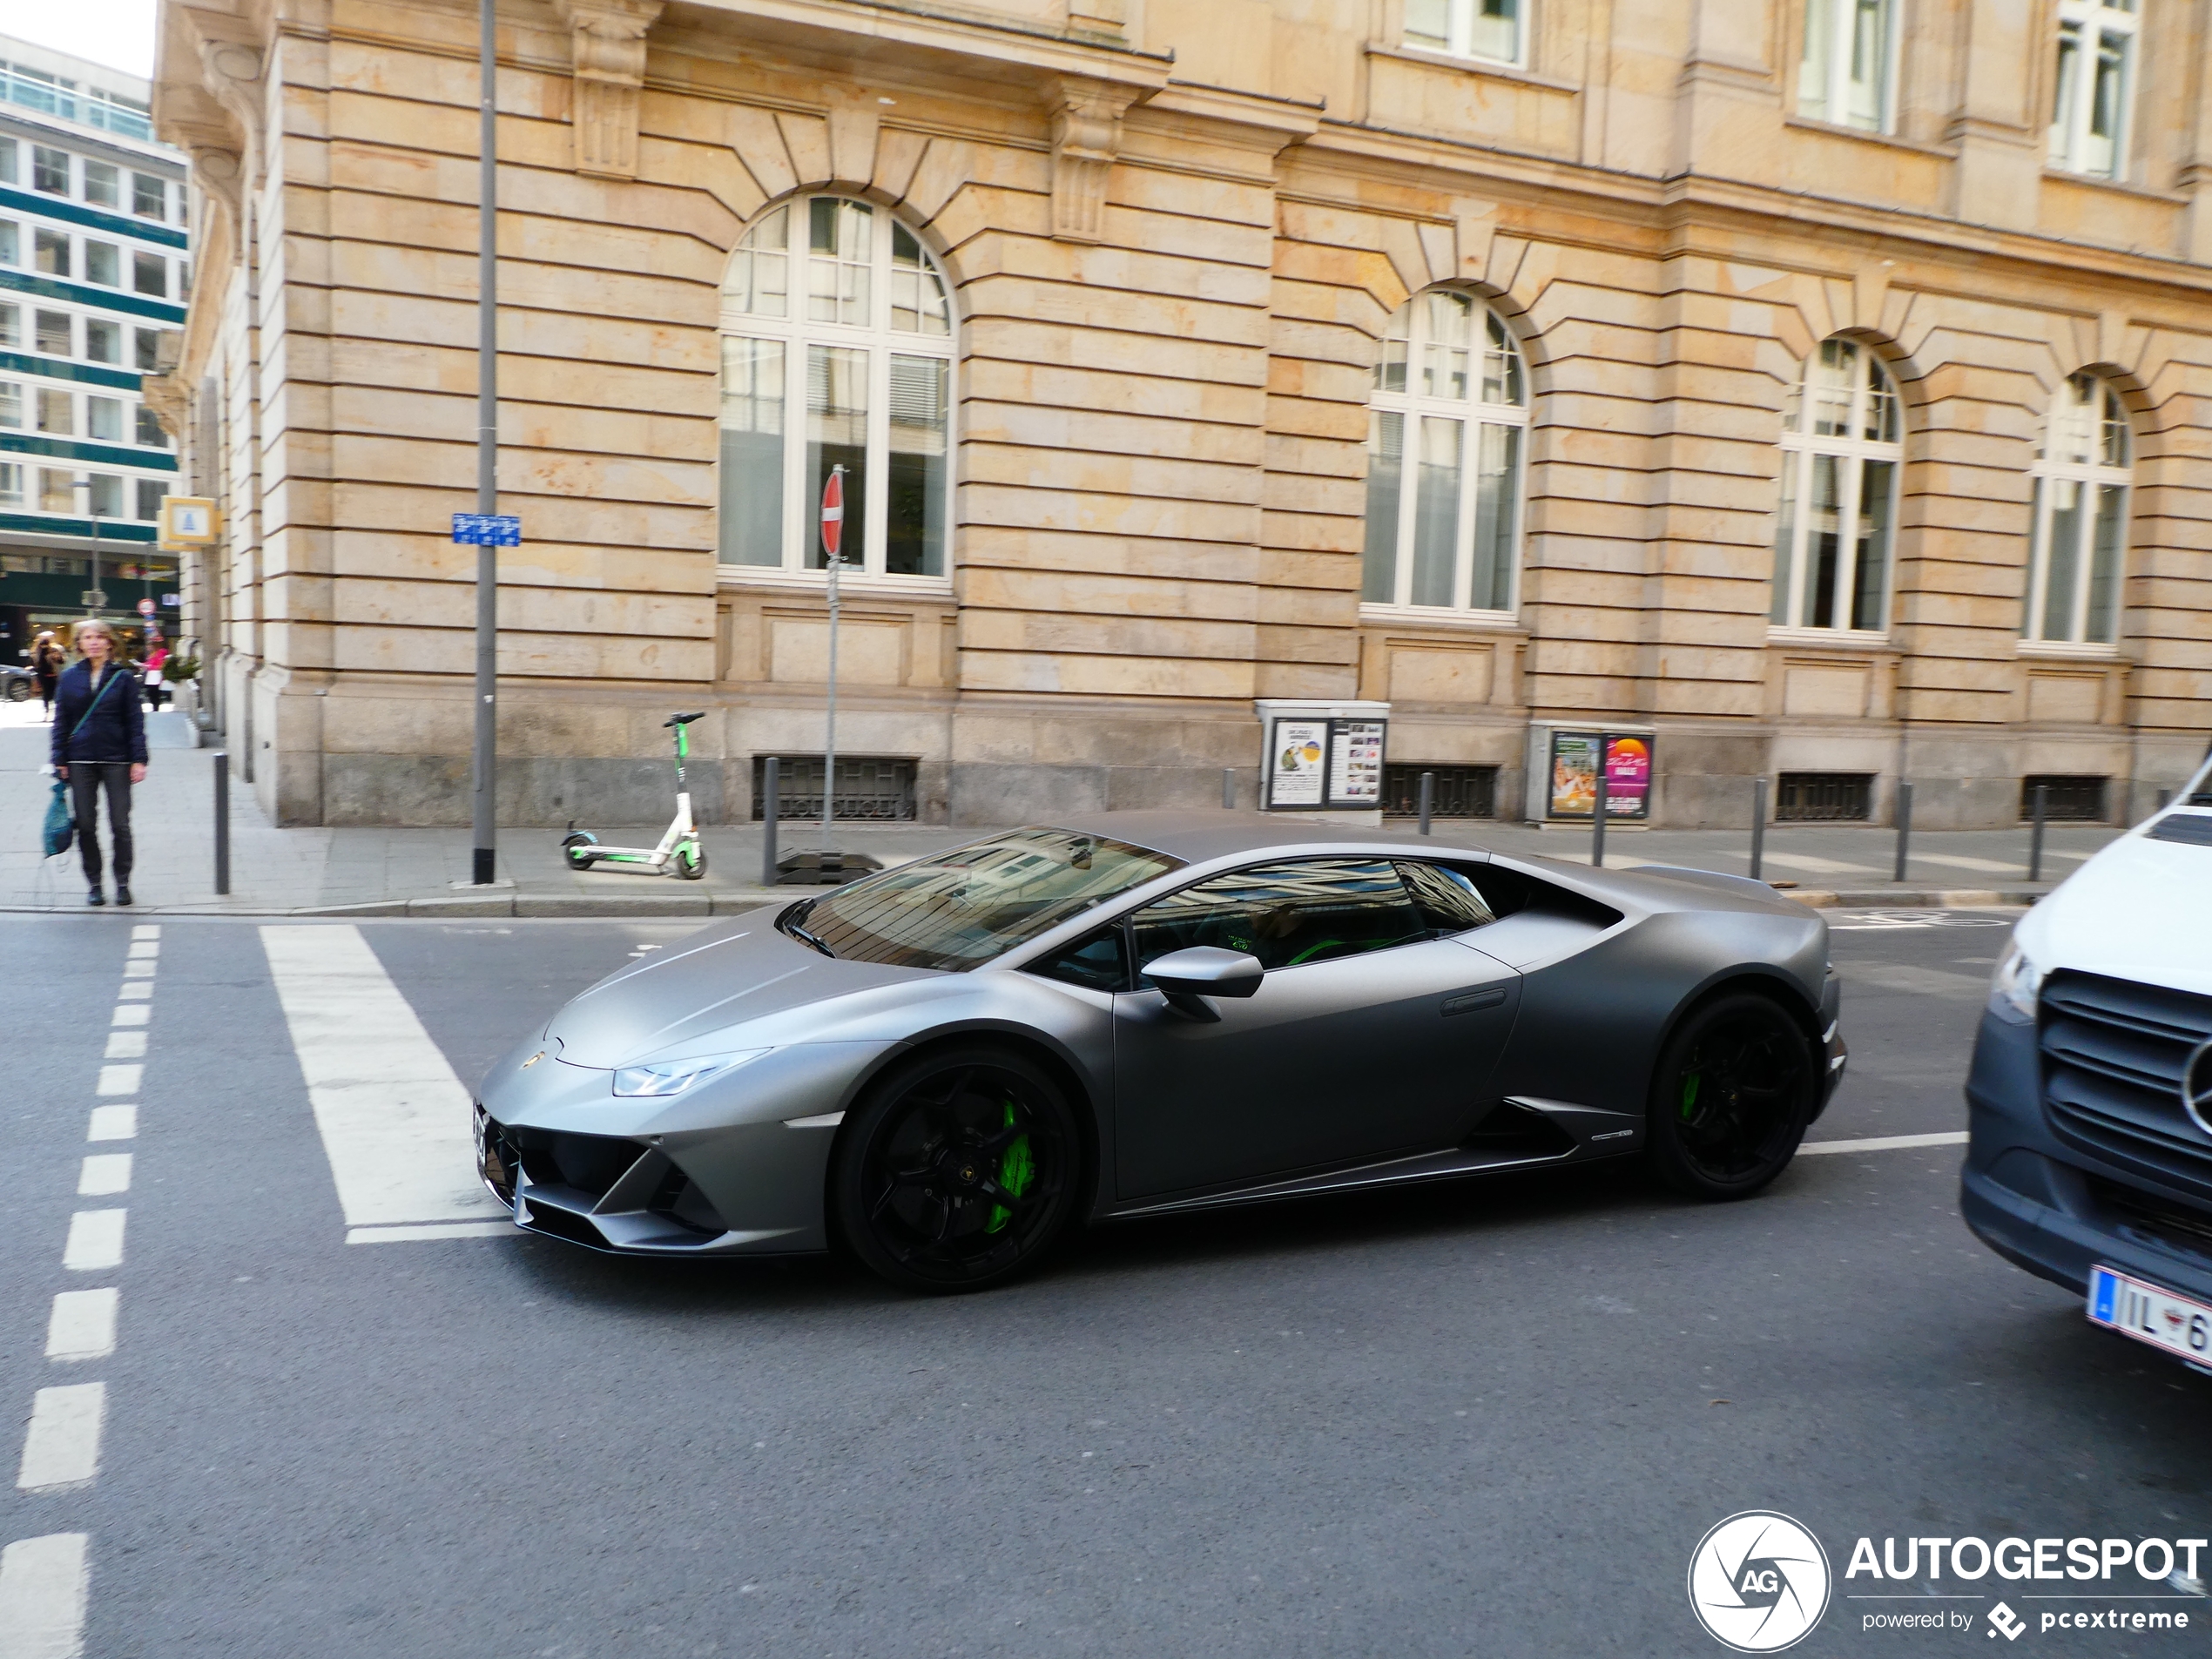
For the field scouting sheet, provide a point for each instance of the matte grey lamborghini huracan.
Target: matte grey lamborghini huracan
(943, 1066)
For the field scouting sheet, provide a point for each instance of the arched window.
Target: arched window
(2081, 535)
(1842, 451)
(837, 347)
(1451, 393)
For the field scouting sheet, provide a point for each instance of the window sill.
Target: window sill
(2096, 181)
(1496, 66)
(1890, 141)
(1852, 639)
(1487, 622)
(2070, 651)
(905, 587)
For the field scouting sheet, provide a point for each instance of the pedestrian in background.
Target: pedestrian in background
(46, 660)
(99, 745)
(157, 661)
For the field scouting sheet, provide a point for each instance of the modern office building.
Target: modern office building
(93, 273)
(1788, 389)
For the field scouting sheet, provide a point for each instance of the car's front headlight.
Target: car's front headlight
(662, 1077)
(2017, 984)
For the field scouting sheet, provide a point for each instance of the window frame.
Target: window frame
(1474, 414)
(2093, 21)
(797, 335)
(1800, 448)
(1459, 18)
(1835, 96)
(2048, 469)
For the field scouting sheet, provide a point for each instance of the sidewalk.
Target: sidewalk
(425, 871)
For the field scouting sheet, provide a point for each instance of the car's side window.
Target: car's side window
(1098, 962)
(1287, 913)
(1446, 897)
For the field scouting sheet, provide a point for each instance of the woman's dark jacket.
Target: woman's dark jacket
(117, 729)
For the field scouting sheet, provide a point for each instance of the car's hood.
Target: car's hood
(2140, 910)
(737, 972)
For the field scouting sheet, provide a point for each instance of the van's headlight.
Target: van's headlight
(664, 1077)
(2017, 984)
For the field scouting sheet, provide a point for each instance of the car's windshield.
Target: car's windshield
(957, 909)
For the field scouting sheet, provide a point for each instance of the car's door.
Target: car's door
(1372, 1032)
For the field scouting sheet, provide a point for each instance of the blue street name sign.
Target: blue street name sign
(488, 530)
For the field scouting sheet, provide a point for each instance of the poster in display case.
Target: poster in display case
(1628, 759)
(1298, 763)
(1356, 763)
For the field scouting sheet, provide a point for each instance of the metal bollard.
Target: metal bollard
(1428, 799)
(2035, 835)
(1758, 828)
(770, 807)
(1229, 789)
(1903, 826)
(222, 821)
(1597, 819)
(2165, 798)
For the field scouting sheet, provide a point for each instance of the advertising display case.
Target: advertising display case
(1569, 763)
(1323, 757)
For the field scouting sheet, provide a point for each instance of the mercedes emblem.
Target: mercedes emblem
(2197, 1085)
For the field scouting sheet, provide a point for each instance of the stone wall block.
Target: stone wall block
(758, 139)
(807, 140)
(945, 167)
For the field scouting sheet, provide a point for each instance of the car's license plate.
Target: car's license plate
(2148, 1314)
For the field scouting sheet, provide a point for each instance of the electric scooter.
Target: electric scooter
(679, 851)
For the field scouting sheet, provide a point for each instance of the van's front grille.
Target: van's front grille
(2113, 1052)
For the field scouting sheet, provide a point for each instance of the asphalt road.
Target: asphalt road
(1487, 1418)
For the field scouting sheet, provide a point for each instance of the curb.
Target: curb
(738, 901)
(1922, 898)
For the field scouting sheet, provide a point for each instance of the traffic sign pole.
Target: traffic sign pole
(486, 757)
(833, 550)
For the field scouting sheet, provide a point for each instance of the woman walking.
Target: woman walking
(99, 745)
(47, 667)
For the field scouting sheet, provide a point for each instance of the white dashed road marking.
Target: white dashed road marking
(103, 1175)
(95, 1241)
(43, 1585)
(1887, 1142)
(113, 1123)
(126, 1045)
(120, 1080)
(83, 1325)
(394, 1118)
(61, 1447)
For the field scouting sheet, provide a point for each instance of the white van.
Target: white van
(2089, 1159)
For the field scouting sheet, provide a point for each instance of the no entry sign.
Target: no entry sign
(834, 515)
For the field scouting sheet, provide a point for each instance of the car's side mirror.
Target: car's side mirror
(1186, 978)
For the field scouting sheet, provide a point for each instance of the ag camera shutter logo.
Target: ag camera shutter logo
(1758, 1581)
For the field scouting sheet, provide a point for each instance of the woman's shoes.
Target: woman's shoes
(95, 897)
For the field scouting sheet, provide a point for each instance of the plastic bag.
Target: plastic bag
(61, 827)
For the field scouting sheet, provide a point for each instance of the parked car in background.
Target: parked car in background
(2089, 1159)
(17, 685)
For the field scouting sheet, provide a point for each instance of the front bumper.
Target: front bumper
(718, 1171)
(2054, 1209)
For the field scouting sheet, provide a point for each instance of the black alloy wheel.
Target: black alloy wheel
(1730, 1098)
(957, 1173)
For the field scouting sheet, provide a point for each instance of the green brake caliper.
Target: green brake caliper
(1016, 1171)
(1690, 1095)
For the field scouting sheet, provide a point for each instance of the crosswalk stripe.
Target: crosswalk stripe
(1887, 1142)
(43, 1584)
(394, 1118)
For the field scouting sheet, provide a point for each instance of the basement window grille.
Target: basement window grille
(1809, 797)
(2072, 799)
(1461, 792)
(871, 789)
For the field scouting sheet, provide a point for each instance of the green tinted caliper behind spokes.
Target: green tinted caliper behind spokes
(1690, 1094)
(1017, 1170)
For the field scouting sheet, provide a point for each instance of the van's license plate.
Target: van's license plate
(2180, 1326)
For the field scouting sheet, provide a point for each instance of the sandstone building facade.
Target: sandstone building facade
(1819, 389)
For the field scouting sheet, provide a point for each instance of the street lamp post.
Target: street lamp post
(93, 595)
